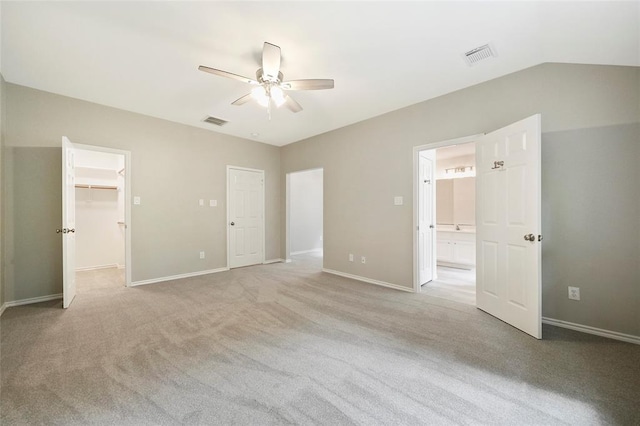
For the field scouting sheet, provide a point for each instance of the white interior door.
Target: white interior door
(246, 217)
(426, 214)
(508, 282)
(68, 230)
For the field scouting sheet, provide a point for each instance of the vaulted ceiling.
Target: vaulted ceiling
(143, 56)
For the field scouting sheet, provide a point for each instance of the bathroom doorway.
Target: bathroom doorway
(454, 202)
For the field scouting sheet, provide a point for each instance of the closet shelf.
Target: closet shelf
(96, 186)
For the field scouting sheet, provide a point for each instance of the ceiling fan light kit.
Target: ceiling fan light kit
(269, 82)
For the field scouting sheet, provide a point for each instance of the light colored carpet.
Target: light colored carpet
(454, 284)
(288, 344)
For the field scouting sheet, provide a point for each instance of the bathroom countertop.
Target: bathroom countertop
(451, 228)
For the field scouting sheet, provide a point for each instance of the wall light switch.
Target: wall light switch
(213, 203)
(201, 202)
(398, 201)
(136, 201)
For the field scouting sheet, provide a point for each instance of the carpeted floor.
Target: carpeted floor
(288, 344)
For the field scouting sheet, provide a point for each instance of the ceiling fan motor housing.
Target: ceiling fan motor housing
(261, 77)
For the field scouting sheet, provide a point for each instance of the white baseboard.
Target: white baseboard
(93, 268)
(593, 330)
(29, 301)
(316, 250)
(288, 261)
(267, 262)
(119, 266)
(368, 280)
(178, 277)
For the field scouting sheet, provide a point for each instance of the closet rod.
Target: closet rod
(96, 186)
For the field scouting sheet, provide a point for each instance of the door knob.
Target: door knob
(529, 237)
(233, 223)
(58, 231)
(431, 226)
(72, 230)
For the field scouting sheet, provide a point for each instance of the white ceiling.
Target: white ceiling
(143, 56)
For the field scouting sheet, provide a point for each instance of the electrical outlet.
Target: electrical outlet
(201, 202)
(350, 257)
(574, 293)
(201, 255)
(363, 259)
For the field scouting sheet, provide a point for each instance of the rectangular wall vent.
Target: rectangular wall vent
(478, 54)
(215, 120)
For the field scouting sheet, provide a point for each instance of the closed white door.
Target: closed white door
(426, 215)
(68, 230)
(245, 217)
(508, 282)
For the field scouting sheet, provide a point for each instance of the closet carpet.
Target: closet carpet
(288, 344)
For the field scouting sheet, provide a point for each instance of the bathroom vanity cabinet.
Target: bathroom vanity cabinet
(456, 248)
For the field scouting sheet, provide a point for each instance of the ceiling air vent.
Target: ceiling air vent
(215, 120)
(478, 54)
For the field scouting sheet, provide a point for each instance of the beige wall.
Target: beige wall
(591, 199)
(368, 163)
(173, 166)
(2, 180)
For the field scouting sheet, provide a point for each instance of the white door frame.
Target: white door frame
(287, 237)
(264, 213)
(416, 199)
(128, 266)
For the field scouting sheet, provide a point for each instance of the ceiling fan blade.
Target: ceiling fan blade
(227, 74)
(270, 61)
(243, 100)
(311, 84)
(292, 104)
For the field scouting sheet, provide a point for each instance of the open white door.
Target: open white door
(246, 217)
(68, 230)
(426, 214)
(508, 225)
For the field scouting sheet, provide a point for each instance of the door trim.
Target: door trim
(264, 213)
(416, 190)
(127, 202)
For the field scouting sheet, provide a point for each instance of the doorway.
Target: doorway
(508, 222)
(100, 220)
(304, 217)
(448, 280)
(454, 200)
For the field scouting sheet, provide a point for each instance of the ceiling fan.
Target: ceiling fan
(269, 85)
